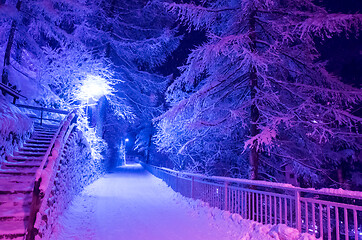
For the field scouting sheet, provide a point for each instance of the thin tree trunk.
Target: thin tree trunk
(254, 155)
(5, 73)
(110, 28)
(148, 149)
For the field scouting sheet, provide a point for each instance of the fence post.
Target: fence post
(298, 212)
(41, 116)
(226, 196)
(192, 187)
(176, 182)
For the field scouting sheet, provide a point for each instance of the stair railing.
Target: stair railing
(43, 110)
(331, 214)
(45, 175)
(6, 88)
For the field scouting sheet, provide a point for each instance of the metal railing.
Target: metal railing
(43, 110)
(45, 175)
(6, 88)
(331, 214)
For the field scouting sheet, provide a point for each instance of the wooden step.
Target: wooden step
(22, 158)
(36, 128)
(41, 138)
(14, 218)
(30, 145)
(24, 172)
(16, 197)
(33, 149)
(4, 176)
(44, 133)
(29, 154)
(34, 162)
(26, 164)
(14, 213)
(19, 212)
(20, 168)
(9, 188)
(16, 204)
(39, 142)
(12, 229)
(16, 178)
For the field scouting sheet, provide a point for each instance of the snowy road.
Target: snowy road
(131, 204)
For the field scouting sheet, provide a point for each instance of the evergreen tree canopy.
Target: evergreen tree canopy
(256, 92)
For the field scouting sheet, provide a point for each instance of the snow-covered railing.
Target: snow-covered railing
(6, 88)
(45, 175)
(42, 110)
(325, 213)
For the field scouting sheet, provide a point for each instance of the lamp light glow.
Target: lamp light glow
(93, 88)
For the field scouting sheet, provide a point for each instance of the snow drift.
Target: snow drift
(15, 128)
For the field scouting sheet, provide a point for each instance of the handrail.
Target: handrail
(45, 173)
(12, 92)
(284, 186)
(42, 110)
(326, 213)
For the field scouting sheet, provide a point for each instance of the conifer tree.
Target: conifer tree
(257, 91)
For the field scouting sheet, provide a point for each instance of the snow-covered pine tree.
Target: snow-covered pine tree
(257, 87)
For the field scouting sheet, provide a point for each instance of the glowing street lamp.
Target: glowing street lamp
(93, 88)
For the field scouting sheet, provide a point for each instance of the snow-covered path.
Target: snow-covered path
(131, 204)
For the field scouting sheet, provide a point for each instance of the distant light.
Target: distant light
(127, 140)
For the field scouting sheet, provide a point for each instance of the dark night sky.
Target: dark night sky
(344, 55)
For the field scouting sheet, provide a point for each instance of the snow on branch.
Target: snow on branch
(327, 25)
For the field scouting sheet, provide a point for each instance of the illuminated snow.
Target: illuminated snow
(93, 88)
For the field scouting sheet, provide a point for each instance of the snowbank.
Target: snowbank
(15, 128)
(76, 170)
(247, 229)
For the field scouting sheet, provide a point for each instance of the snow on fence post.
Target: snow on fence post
(41, 116)
(176, 187)
(192, 186)
(226, 195)
(298, 212)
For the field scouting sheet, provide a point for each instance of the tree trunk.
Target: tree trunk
(110, 28)
(148, 149)
(254, 113)
(5, 73)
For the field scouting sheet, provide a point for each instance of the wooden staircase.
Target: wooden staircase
(17, 176)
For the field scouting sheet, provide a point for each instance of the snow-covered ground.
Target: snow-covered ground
(131, 204)
(15, 128)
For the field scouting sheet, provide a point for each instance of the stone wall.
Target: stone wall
(75, 170)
